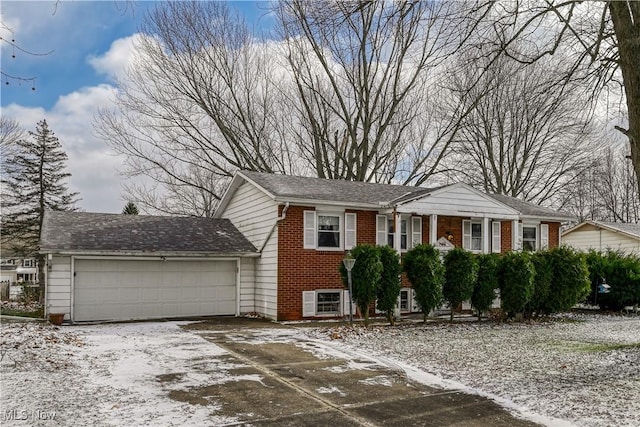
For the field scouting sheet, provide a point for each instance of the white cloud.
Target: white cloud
(117, 59)
(92, 166)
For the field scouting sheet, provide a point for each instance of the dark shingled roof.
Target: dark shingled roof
(333, 190)
(355, 192)
(530, 209)
(86, 231)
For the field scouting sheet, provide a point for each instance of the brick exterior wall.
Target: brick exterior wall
(302, 269)
(453, 225)
(554, 234)
(505, 236)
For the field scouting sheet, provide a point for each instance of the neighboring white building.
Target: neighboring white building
(600, 235)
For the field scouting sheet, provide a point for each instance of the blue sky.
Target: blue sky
(89, 42)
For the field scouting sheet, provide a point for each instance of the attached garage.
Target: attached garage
(146, 289)
(108, 267)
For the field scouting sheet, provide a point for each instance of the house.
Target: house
(17, 272)
(273, 247)
(303, 227)
(122, 267)
(601, 235)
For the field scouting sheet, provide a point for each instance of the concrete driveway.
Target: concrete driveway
(305, 382)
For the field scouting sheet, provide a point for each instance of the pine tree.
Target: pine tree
(33, 180)
(130, 209)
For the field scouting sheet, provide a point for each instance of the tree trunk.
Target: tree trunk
(628, 36)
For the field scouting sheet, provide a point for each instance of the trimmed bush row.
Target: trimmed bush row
(529, 284)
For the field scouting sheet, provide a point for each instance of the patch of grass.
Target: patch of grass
(36, 314)
(608, 347)
(590, 347)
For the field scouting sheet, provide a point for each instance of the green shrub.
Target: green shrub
(570, 282)
(426, 275)
(621, 271)
(390, 284)
(516, 281)
(541, 284)
(486, 283)
(365, 277)
(459, 277)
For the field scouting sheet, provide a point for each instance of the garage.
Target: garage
(146, 289)
(113, 267)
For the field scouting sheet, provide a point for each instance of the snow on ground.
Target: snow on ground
(105, 374)
(581, 368)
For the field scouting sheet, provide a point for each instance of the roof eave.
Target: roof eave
(601, 225)
(148, 254)
(337, 203)
(550, 218)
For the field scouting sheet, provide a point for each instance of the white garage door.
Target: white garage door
(144, 289)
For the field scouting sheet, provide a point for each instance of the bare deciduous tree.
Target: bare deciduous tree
(10, 133)
(608, 190)
(350, 92)
(603, 39)
(199, 102)
(526, 137)
(366, 78)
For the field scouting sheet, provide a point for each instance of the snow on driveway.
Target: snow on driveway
(583, 370)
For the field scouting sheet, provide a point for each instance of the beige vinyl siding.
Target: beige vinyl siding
(588, 237)
(59, 286)
(254, 214)
(458, 200)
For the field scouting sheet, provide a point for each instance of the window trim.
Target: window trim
(467, 234)
(413, 231)
(340, 231)
(536, 242)
(310, 305)
(311, 230)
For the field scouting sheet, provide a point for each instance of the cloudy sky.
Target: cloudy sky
(86, 45)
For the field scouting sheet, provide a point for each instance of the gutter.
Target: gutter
(273, 228)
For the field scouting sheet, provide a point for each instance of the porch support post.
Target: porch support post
(397, 227)
(486, 235)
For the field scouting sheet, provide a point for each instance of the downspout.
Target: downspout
(275, 224)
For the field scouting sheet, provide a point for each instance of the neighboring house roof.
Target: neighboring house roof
(98, 232)
(297, 189)
(629, 229)
(532, 210)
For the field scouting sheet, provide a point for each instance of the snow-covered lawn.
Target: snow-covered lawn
(580, 368)
(105, 375)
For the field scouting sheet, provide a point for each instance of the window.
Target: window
(404, 300)
(529, 238)
(324, 230)
(323, 303)
(29, 263)
(476, 236)
(327, 303)
(472, 235)
(386, 234)
(328, 231)
(391, 235)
